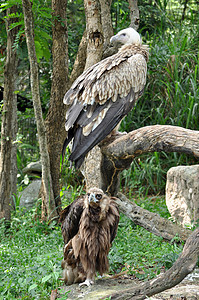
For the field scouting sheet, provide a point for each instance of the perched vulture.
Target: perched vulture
(89, 225)
(100, 98)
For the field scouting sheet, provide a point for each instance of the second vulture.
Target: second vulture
(104, 94)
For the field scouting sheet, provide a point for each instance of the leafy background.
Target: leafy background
(31, 252)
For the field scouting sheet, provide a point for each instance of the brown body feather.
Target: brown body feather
(87, 251)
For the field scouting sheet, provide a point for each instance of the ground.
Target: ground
(188, 289)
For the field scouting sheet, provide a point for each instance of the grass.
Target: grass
(31, 253)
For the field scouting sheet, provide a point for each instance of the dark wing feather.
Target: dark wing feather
(83, 144)
(115, 211)
(70, 218)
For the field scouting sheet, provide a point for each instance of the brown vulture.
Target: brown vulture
(89, 225)
(104, 94)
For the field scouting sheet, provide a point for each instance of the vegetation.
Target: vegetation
(31, 251)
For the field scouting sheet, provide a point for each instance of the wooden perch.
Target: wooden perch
(120, 152)
(184, 265)
(151, 221)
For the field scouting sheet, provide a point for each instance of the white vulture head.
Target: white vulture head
(127, 36)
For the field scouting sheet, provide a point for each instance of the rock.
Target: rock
(34, 168)
(30, 194)
(182, 194)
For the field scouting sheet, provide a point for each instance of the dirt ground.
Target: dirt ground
(188, 289)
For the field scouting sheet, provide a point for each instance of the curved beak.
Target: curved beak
(113, 39)
(92, 198)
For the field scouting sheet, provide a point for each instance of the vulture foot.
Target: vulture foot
(87, 282)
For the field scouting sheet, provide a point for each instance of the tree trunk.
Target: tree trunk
(80, 61)
(48, 202)
(95, 38)
(9, 125)
(106, 20)
(134, 14)
(91, 166)
(56, 114)
(156, 138)
(184, 265)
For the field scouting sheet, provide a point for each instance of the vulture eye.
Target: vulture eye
(98, 196)
(123, 34)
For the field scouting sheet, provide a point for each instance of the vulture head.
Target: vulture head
(127, 36)
(96, 198)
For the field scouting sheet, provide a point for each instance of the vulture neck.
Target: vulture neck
(136, 49)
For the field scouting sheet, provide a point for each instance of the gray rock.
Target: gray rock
(182, 194)
(30, 194)
(34, 168)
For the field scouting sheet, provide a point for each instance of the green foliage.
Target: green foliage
(139, 252)
(30, 258)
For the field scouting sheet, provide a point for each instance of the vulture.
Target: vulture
(104, 94)
(89, 225)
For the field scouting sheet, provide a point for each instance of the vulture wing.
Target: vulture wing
(114, 211)
(70, 217)
(101, 97)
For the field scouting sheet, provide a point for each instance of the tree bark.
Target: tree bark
(106, 21)
(121, 151)
(48, 202)
(151, 221)
(95, 39)
(134, 14)
(184, 265)
(9, 124)
(80, 61)
(60, 83)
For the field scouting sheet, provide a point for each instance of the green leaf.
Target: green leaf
(33, 286)
(46, 278)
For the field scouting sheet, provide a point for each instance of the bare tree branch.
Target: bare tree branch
(151, 221)
(184, 265)
(120, 152)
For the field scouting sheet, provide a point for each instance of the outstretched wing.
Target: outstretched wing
(70, 217)
(100, 98)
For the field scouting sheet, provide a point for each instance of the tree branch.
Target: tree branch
(157, 138)
(150, 221)
(184, 265)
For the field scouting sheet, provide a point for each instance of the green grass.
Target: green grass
(141, 253)
(31, 253)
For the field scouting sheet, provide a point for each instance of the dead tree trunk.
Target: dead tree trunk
(48, 203)
(184, 265)
(9, 124)
(119, 153)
